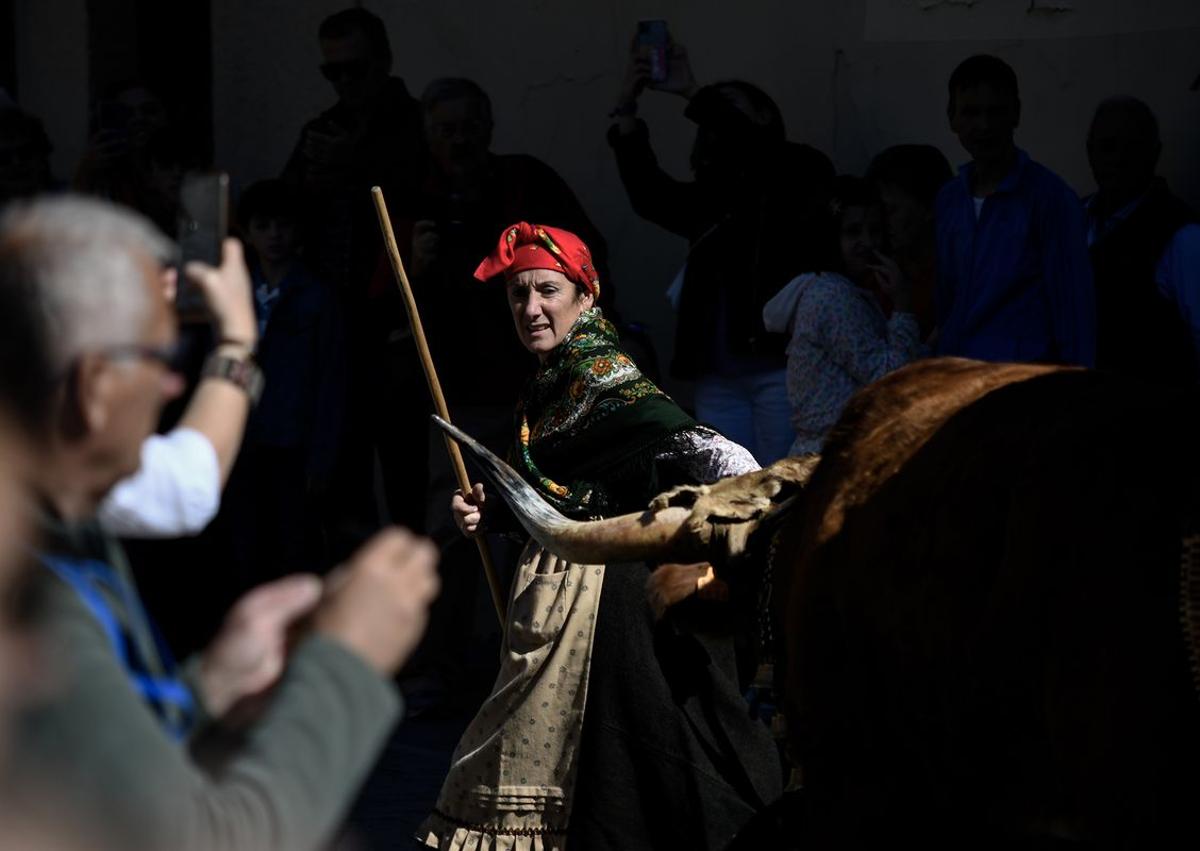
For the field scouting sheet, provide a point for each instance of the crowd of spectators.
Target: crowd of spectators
(274, 447)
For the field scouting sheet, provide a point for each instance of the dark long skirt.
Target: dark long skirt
(669, 757)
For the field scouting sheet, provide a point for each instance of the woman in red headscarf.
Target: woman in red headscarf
(607, 725)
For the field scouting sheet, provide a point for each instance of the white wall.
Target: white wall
(852, 77)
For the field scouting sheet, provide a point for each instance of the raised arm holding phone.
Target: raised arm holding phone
(177, 489)
(749, 214)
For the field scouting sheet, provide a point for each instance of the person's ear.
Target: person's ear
(1017, 114)
(170, 283)
(90, 393)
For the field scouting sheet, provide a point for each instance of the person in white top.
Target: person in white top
(177, 491)
(841, 337)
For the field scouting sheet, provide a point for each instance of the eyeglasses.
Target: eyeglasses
(350, 71)
(170, 357)
(470, 127)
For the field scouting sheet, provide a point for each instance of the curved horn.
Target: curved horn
(630, 537)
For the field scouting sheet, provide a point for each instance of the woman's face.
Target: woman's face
(861, 236)
(544, 304)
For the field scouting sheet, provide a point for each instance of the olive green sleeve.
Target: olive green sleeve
(285, 784)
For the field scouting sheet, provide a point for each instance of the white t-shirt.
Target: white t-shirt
(176, 492)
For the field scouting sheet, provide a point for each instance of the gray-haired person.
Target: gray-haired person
(122, 736)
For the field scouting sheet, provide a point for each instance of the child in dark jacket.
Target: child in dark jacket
(293, 434)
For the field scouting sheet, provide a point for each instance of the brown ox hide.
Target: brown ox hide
(982, 592)
(984, 625)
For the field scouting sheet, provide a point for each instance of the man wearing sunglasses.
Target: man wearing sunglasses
(372, 135)
(301, 668)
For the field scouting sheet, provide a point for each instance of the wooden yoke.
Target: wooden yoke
(435, 387)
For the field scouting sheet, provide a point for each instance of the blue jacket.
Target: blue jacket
(1016, 285)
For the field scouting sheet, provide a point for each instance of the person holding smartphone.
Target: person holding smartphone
(750, 217)
(122, 734)
(370, 136)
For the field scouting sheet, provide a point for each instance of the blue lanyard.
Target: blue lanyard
(84, 576)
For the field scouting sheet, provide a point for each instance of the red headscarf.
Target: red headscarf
(524, 246)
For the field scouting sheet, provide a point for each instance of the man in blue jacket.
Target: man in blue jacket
(1014, 281)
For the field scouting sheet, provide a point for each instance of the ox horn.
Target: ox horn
(630, 537)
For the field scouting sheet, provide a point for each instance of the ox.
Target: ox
(990, 584)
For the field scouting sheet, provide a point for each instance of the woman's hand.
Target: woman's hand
(680, 79)
(633, 83)
(468, 510)
(229, 295)
(892, 282)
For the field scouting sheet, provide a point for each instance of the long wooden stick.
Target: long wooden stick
(435, 387)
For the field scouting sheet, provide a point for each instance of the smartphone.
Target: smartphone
(652, 36)
(203, 224)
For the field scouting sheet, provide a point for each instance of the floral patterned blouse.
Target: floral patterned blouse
(840, 341)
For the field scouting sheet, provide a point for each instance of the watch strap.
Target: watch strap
(242, 371)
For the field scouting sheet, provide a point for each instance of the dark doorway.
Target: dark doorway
(167, 46)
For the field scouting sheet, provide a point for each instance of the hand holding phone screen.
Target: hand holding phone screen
(203, 224)
(652, 38)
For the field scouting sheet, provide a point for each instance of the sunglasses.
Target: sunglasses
(350, 71)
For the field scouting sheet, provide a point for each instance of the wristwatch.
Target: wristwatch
(242, 371)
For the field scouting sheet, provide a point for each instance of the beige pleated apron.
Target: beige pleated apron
(513, 773)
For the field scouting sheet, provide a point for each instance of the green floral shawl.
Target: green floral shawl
(589, 422)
